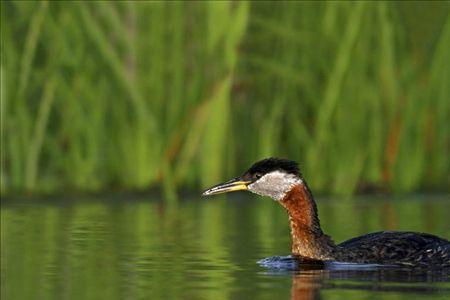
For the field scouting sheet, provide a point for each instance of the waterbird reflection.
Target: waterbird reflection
(309, 279)
(308, 285)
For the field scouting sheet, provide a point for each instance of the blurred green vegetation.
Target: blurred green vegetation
(100, 95)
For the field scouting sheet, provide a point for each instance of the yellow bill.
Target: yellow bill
(236, 184)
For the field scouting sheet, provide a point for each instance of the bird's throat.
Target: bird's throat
(308, 240)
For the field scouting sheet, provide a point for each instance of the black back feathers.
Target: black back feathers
(273, 164)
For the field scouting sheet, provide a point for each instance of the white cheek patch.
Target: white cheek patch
(275, 184)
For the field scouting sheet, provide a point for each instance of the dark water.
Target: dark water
(138, 247)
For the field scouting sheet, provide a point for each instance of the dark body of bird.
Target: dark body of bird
(396, 247)
(281, 180)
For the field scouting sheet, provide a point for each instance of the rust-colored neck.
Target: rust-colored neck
(308, 240)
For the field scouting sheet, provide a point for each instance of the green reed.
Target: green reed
(133, 95)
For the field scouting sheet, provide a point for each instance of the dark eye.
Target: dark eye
(257, 175)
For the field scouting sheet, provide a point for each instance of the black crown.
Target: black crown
(273, 164)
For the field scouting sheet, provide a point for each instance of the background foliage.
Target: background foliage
(100, 95)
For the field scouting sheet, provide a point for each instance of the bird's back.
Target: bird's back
(397, 248)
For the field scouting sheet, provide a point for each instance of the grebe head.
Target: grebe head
(273, 177)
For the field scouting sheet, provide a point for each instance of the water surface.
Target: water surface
(202, 248)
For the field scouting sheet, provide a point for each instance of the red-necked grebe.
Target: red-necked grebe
(281, 180)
